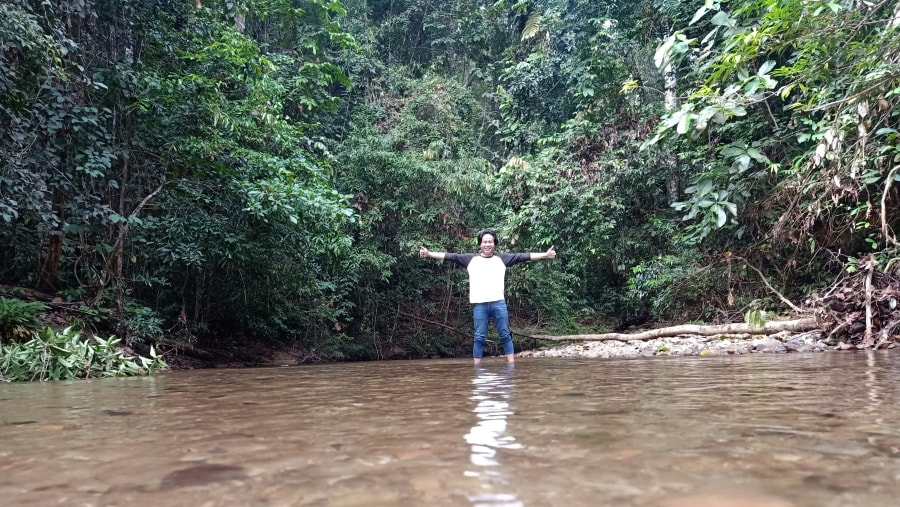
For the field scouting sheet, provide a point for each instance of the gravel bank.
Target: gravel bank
(690, 345)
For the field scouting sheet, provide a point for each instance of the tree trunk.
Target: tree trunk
(50, 267)
(671, 103)
(771, 327)
(114, 263)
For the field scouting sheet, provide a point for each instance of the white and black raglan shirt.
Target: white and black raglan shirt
(487, 275)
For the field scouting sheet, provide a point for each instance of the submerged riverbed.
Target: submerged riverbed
(816, 430)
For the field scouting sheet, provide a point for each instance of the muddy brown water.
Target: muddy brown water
(817, 430)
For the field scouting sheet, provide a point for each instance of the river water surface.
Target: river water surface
(817, 430)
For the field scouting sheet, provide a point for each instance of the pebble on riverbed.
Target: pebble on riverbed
(688, 345)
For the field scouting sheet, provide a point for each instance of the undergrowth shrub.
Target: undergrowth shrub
(19, 319)
(64, 355)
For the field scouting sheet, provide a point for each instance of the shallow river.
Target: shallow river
(815, 430)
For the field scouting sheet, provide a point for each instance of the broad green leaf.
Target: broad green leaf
(732, 207)
(699, 14)
(662, 55)
(723, 19)
(704, 187)
(721, 217)
(766, 67)
(732, 151)
(752, 86)
(685, 124)
(757, 155)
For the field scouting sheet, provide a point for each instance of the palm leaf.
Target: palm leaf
(532, 26)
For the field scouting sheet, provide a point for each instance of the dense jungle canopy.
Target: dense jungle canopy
(234, 175)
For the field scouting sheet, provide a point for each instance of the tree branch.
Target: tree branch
(854, 96)
(116, 256)
(888, 237)
(870, 263)
(450, 328)
(434, 323)
(781, 297)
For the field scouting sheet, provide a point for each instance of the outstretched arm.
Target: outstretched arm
(549, 254)
(426, 254)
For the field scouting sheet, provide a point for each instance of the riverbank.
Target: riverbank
(683, 345)
(693, 345)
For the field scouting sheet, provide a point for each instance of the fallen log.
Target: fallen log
(774, 326)
(22, 292)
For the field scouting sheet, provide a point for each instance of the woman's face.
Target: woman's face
(487, 245)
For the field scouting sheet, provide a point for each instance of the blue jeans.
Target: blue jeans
(497, 311)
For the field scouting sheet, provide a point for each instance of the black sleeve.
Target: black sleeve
(462, 260)
(511, 259)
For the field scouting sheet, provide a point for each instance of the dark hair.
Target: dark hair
(487, 231)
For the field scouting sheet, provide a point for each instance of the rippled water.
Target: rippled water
(815, 430)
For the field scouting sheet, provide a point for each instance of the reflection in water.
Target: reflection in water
(873, 385)
(491, 392)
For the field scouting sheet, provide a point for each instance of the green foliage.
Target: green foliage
(266, 170)
(818, 76)
(64, 355)
(19, 319)
(756, 318)
(58, 152)
(411, 163)
(576, 177)
(141, 325)
(458, 39)
(671, 285)
(158, 152)
(237, 271)
(90, 319)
